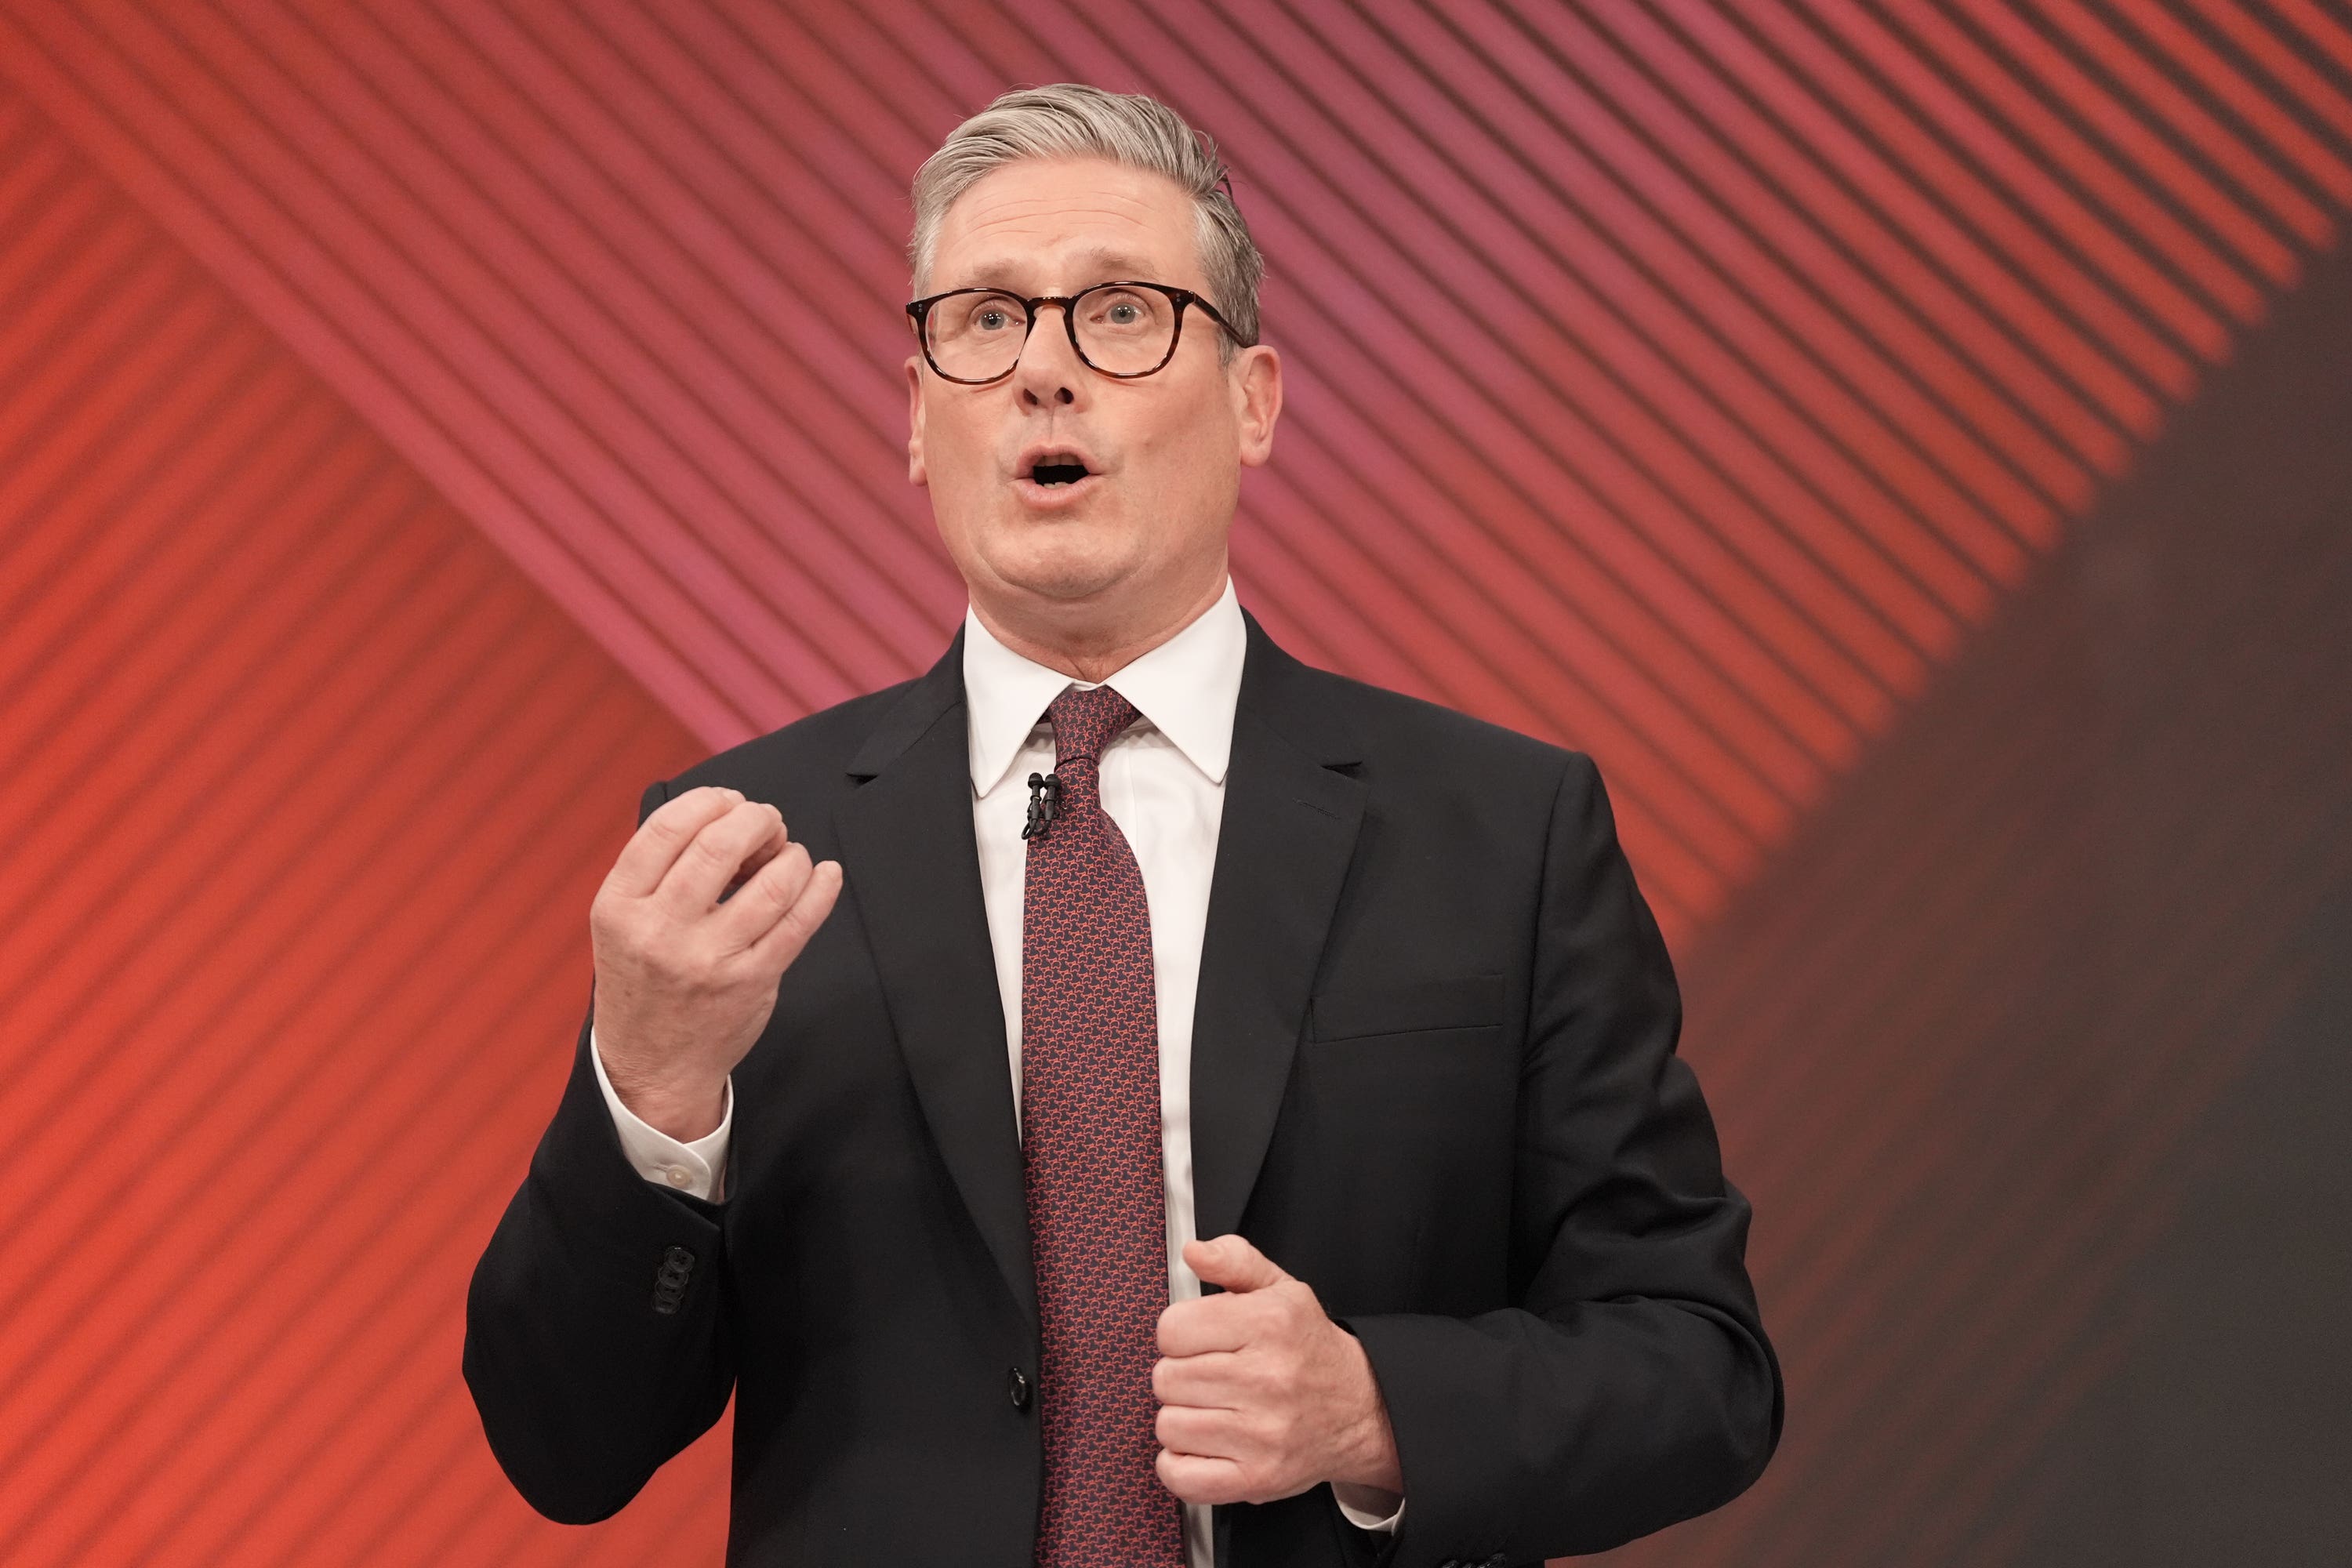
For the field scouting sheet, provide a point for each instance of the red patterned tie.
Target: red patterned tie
(1090, 1146)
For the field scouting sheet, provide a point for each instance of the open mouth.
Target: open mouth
(1058, 468)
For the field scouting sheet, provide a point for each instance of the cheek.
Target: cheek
(955, 440)
(1179, 451)
(1197, 464)
(959, 467)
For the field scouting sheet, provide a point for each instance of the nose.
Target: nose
(1049, 370)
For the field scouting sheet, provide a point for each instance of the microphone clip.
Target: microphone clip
(1045, 796)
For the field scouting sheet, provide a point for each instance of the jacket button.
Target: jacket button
(670, 1284)
(1016, 1388)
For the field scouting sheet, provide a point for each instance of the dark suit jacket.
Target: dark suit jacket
(1434, 1075)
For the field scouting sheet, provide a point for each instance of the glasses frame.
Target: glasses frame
(919, 311)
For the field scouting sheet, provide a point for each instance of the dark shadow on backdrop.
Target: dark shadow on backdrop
(2049, 1013)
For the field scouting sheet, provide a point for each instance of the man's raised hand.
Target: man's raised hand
(684, 982)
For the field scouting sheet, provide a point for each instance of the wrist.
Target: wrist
(1367, 1475)
(1373, 1500)
(682, 1106)
(688, 1119)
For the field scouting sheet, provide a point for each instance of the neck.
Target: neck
(1093, 653)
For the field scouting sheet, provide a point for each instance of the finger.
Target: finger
(1201, 1434)
(768, 850)
(690, 889)
(765, 898)
(1197, 1478)
(791, 933)
(1231, 1261)
(655, 848)
(1214, 1380)
(1202, 1327)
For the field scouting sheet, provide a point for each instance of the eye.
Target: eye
(1122, 311)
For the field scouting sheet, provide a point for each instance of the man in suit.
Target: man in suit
(1120, 928)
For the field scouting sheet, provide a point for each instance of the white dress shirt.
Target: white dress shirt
(1163, 781)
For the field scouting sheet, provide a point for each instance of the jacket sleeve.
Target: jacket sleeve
(595, 1347)
(1630, 1385)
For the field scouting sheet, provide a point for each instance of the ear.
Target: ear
(915, 474)
(1255, 379)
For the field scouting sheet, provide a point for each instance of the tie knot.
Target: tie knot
(1084, 722)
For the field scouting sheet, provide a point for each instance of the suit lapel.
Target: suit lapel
(914, 868)
(1287, 834)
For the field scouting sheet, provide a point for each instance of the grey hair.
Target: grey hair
(1072, 120)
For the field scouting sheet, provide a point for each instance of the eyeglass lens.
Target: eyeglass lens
(1120, 329)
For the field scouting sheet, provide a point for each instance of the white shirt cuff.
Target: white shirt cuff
(1363, 1520)
(660, 1158)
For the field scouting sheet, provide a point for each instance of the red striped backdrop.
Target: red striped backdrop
(419, 427)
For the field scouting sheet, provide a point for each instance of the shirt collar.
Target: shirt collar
(1187, 688)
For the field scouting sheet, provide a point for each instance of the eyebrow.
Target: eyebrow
(1108, 264)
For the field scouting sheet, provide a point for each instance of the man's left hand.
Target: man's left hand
(1262, 1396)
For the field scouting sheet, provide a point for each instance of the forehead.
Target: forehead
(1040, 223)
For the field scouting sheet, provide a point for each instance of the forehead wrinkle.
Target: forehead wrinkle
(1094, 259)
(1134, 195)
(1141, 216)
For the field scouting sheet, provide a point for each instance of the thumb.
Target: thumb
(1231, 1261)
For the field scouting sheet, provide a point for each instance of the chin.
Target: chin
(1058, 562)
(1069, 583)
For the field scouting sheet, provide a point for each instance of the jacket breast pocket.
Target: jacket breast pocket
(1406, 1006)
